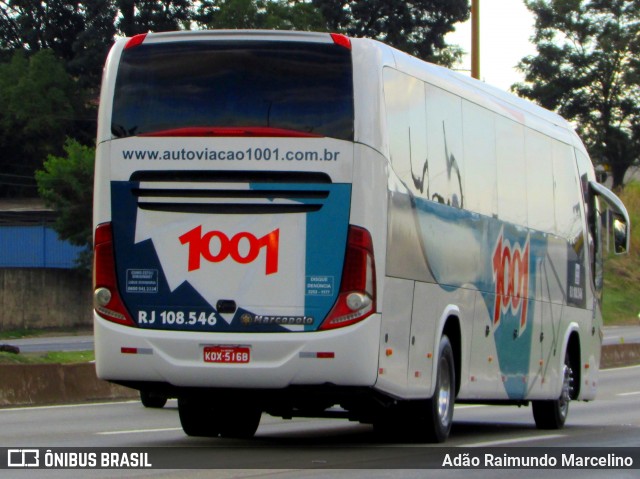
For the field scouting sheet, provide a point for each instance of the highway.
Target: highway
(621, 334)
(613, 420)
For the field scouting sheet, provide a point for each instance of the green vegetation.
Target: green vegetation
(34, 333)
(66, 184)
(621, 303)
(57, 357)
(51, 357)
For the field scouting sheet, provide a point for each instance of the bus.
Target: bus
(312, 225)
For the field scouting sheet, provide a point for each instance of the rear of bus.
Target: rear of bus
(225, 257)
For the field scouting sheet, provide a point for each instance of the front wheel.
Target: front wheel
(553, 414)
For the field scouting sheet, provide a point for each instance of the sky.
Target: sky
(505, 29)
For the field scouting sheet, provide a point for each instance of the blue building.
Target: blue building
(27, 239)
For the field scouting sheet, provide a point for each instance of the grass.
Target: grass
(621, 302)
(34, 333)
(53, 357)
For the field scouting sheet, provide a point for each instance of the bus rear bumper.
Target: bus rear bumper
(342, 357)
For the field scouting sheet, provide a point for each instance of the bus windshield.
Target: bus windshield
(207, 88)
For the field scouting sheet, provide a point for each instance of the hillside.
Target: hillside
(622, 273)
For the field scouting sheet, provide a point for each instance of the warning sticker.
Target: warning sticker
(142, 281)
(319, 286)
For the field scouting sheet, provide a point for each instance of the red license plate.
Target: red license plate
(227, 354)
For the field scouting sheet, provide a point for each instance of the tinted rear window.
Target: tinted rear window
(306, 87)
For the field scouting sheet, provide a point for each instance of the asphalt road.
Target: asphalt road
(621, 334)
(308, 448)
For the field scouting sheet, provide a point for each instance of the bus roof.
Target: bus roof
(502, 102)
(488, 96)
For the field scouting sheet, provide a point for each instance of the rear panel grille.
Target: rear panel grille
(207, 176)
(236, 192)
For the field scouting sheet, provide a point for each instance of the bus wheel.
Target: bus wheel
(151, 400)
(553, 414)
(206, 417)
(243, 422)
(439, 409)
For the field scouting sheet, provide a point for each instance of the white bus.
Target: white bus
(304, 224)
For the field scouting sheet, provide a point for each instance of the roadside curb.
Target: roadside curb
(44, 384)
(618, 355)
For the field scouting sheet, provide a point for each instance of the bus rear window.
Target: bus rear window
(304, 87)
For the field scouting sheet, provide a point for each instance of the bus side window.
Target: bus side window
(480, 180)
(594, 223)
(595, 242)
(446, 162)
(512, 183)
(567, 195)
(539, 179)
(406, 122)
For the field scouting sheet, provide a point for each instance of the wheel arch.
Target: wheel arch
(451, 328)
(573, 349)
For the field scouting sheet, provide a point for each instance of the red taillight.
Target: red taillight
(135, 40)
(106, 299)
(342, 40)
(357, 298)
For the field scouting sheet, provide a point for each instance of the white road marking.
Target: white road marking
(64, 406)
(136, 431)
(633, 393)
(514, 440)
(622, 368)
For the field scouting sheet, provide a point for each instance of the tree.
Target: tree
(92, 44)
(79, 33)
(66, 184)
(260, 14)
(587, 68)
(142, 16)
(40, 104)
(415, 27)
(36, 25)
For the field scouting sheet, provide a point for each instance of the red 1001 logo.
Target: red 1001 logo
(200, 247)
(511, 279)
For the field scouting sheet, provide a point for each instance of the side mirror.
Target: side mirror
(621, 222)
(620, 236)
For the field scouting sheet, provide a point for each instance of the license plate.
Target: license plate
(227, 354)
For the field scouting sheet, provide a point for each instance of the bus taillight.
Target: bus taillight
(106, 299)
(357, 297)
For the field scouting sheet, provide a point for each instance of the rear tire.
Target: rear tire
(439, 409)
(424, 420)
(213, 417)
(553, 414)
